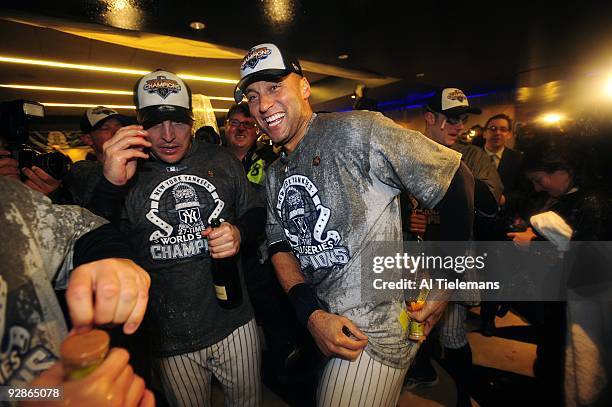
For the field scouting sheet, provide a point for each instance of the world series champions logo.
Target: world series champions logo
(304, 219)
(457, 95)
(254, 56)
(176, 211)
(162, 86)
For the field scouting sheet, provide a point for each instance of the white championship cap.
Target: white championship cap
(95, 117)
(161, 95)
(264, 62)
(451, 102)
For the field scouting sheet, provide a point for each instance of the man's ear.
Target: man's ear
(305, 88)
(430, 118)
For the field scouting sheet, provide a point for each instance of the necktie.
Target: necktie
(495, 160)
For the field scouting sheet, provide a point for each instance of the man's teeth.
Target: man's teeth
(275, 119)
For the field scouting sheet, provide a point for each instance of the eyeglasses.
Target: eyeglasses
(238, 123)
(454, 120)
(493, 129)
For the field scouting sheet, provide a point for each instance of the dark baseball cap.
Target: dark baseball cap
(95, 117)
(451, 102)
(264, 62)
(162, 95)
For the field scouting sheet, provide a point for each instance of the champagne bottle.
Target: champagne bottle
(83, 353)
(416, 330)
(226, 278)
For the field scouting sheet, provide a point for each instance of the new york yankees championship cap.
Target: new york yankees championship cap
(451, 102)
(95, 117)
(161, 95)
(264, 62)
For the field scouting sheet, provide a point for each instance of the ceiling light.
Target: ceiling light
(124, 14)
(343, 56)
(206, 78)
(551, 118)
(86, 105)
(221, 98)
(98, 68)
(420, 75)
(61, 89)
(608, 88)
(279, 12)
(84, 90)
(214, 110)
(197, 25)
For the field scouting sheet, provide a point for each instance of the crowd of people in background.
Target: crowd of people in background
(302, 195)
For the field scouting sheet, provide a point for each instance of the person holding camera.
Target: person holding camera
(40, 171)
(34, 177)
(47, 245)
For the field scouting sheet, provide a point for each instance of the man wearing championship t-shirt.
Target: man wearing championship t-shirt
(330, 195)
(166, 188)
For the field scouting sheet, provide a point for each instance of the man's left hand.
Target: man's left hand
(223, 241)
(429, 314)
(40, 181)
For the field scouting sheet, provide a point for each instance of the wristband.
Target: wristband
(279, 247)
(304, 300)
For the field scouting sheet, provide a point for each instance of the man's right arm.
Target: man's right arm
(287, 270)
(328, 330)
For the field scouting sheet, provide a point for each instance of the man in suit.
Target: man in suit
(498, 130)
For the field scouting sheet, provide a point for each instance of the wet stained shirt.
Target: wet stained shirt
(165, 212)
(37, 243)
(336, 194)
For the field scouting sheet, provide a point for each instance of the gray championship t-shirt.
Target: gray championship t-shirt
(336, 194)
(165, 212)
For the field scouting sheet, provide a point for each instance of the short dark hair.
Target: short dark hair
(208, 134)
(242, 107)
(499, 116)
(550, 153)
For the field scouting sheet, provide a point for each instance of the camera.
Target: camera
(14, 128)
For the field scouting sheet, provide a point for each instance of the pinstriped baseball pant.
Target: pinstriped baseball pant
(235, 361)
(363, 382)
(451, 327)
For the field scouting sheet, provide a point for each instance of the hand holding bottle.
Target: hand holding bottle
(223, 240)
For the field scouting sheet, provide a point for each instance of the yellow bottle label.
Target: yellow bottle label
(220, 292)
(76, 374)
(417, 330)
(403, 319)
